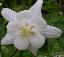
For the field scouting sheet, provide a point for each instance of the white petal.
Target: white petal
(52, 32)
(40, 23)
(12, 26)
(8, 14)
(23, 16)
(36, 9)
(33, 50)
(37, 40)
(21, 43)
(8, 39)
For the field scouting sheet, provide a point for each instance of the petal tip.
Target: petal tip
(3, 42)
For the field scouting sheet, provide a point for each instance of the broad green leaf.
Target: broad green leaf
(53, 47)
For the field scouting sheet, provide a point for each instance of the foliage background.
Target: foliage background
(52, 12)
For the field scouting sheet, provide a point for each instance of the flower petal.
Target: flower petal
(30, 14)
(8, 39)
(36, 9)
(33, 50)
(37, 40)
(12, 26)
(40, 22)
(8, 14)
(23, 16)
(21, 43)
(52, 32)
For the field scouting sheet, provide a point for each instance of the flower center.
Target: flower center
(26, 31)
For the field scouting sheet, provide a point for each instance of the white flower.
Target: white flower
(27, 29)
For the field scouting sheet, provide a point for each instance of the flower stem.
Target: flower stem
(21, 53)
(13, 53)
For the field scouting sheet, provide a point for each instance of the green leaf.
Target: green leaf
(53, 47)
(27, 54)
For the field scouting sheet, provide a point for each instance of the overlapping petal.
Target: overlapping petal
(40, 23)
(37, 40)
(21, 43)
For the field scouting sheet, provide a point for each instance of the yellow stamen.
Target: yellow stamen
(26, 31)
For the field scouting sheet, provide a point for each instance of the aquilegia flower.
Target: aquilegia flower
(27, 29)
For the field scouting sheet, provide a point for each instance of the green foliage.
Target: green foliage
(51, 6)
(51, 47)
(1, 1)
